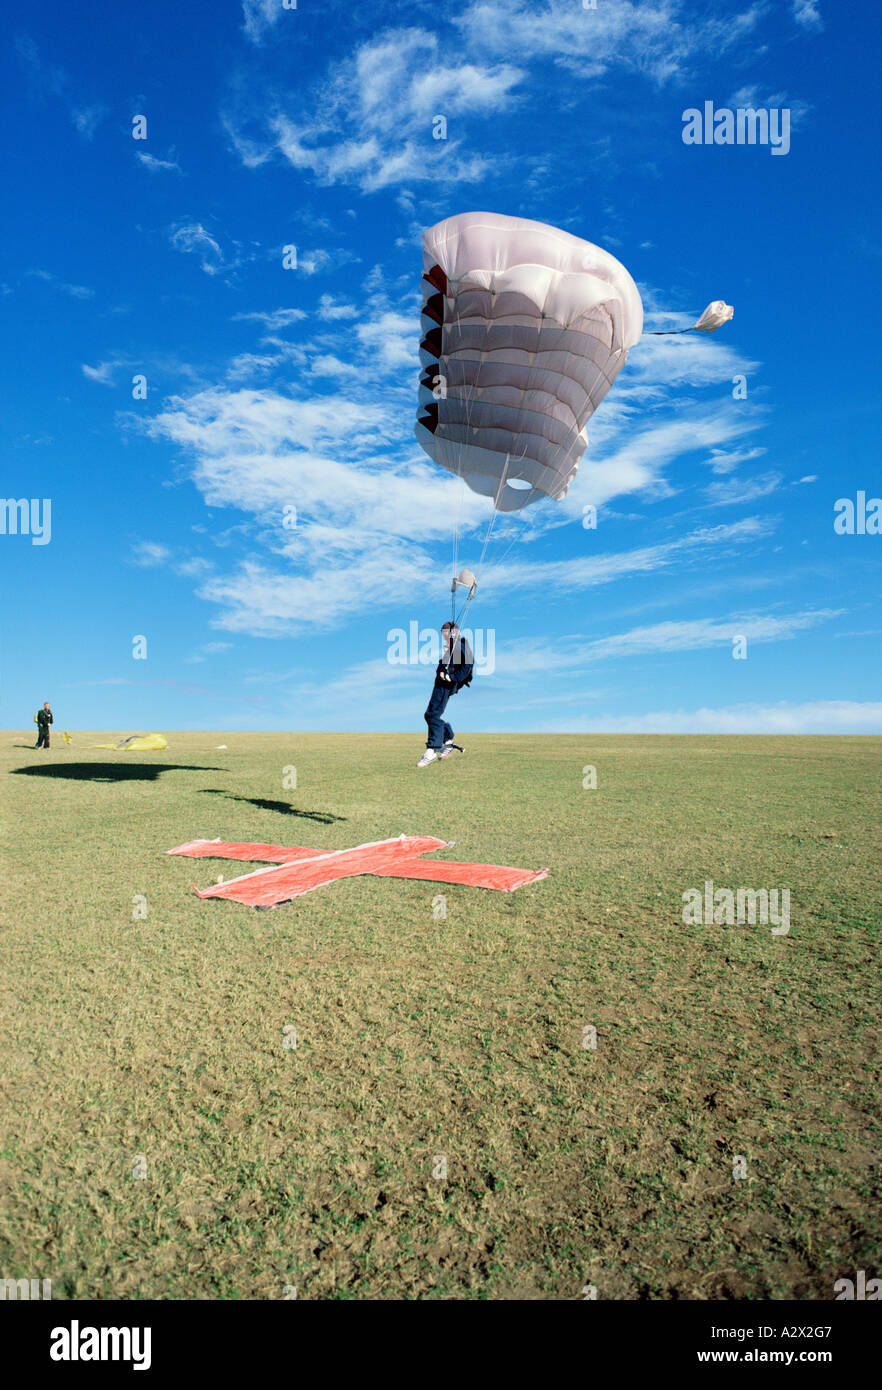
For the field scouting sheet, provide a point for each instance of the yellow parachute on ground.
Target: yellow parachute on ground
(137, 743)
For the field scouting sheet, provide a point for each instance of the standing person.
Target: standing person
(453, 673)
(44, 719)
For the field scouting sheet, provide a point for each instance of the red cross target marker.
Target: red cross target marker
(295, 870)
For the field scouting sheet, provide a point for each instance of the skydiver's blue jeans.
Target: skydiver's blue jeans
(439, 729)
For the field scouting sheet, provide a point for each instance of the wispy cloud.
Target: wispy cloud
(193, 239)
(832, 717)
(807, 13)
(530, 658)
(724, 461)
(706, 632)
(274, 319)
(75, 291)
(753, 96)
(88, 118)
(371, 122)
(150, 554)
(47, 79)
(104, 372)
(150, 161)
(370, 505)
(331, 309)
(660, 38)
(206, 650)
(727, 492)
(262, 15)
(591, 570)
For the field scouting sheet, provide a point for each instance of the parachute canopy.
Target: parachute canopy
(526, 328)
(137, 743)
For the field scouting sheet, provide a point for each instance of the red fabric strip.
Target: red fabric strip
(474, 875)
(221, 849)
(266, 887)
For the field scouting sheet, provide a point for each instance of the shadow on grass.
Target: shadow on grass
(108, 772)
(282, 807)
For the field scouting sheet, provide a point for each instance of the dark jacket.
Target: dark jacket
(44, 717)
(457, 664)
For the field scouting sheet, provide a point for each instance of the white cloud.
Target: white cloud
(724, 461)
(331, 309)
(150, 554)
(47, 79)
(326, 364)
(390, 338)
(275, 318)
(259, 450)
(591, 570)
(660, 38)
(688, 359)
(151, 162)
(729, 491)
(811, 717)
(75, 291)
(88, 118)
(260, 16)
(267, 603)
(346, 459)
(622, 458)
(808, 14)
(248, 365)
(530, 656)
(207, 649)
(371, 121)
(705, 632)
(193, 239)
(751, 97)
(311, 262)
(103, 373)
(364, 507)
(194, 567)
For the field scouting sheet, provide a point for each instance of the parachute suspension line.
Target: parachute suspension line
(460, 617)
(516, 533)
(459, 492)
(464, 611)
(471, 396)
(501, 549)
(494, 513)
(513, 530)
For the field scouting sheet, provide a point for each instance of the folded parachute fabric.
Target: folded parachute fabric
(137, 743)
(303, 870)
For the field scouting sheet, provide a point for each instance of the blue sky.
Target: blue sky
(270, 388)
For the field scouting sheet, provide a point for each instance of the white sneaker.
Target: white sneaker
(450, 747)
(430, 756)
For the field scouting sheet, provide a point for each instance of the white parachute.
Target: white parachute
(526, 328)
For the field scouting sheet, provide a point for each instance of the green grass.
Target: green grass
(162, 1035)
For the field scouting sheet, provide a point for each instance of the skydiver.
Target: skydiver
(43, 719)
(453, 672)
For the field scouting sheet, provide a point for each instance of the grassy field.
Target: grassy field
(317, 1167)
